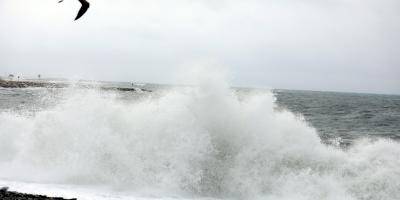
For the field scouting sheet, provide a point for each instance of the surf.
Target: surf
(205, 140)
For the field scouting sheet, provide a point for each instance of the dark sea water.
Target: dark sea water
(346, 116)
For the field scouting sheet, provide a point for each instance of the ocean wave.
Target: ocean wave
(204, 140)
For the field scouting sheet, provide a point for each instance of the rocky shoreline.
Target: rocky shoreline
(9, 195)
(27, 84)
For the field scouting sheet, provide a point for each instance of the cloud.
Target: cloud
(346, 45)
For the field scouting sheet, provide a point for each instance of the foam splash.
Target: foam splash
(205, 140)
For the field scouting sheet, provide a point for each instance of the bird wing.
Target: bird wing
(84, 8)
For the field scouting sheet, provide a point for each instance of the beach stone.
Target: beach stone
(8, 195)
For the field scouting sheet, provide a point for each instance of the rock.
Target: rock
(127, 89)
(3, 189)
(7, 195)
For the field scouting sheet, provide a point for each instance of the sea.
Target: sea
(205, 141)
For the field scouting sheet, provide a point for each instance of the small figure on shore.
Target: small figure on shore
(82, 11)
(39, 76)
(11, 77)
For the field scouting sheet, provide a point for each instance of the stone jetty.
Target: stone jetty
(27, 84)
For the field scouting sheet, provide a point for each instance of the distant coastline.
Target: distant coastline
(46, 84)
(25, 84)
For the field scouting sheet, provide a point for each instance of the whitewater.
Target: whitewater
(205, 141)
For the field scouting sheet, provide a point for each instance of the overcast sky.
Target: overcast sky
(339, 45)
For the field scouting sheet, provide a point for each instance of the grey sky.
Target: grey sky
(342, 45)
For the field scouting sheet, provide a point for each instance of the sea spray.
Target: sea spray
(202, 140)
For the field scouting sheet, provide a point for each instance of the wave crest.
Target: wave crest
(206, 140)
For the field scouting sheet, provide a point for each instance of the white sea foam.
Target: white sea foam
(197, 141)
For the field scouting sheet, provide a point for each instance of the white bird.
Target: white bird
(84, 8)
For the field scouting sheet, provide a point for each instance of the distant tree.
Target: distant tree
(39, 76)
(18, 78)
(11, 77)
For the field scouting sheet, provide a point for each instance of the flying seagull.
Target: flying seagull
(84, 8)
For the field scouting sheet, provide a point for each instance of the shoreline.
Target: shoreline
(25, 84)
(5, 194)
(41, 84)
